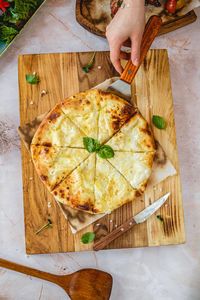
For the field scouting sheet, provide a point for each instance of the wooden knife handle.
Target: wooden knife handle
(114, 234)
(151, 30)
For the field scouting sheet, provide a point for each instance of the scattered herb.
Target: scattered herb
(49, 224)
(90, 144)
(87, 67)
(88, 237)
(106, 151)
(159, 122)
(160, 218)
(32, 78)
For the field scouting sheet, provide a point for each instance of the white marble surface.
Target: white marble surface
(165, 273)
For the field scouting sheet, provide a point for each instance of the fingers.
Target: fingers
(115, 51)
(135, 50)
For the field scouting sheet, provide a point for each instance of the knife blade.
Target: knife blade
(122, 87)
(137, 219)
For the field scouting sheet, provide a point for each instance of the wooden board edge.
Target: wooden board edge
(167, 27)
(178, 23)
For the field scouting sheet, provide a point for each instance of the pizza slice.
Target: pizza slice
(58, 130)
(53, 164)
(135, 167)
(111, 188)
(114, 112)
(134, 136)
(83, 110)
(77, 189)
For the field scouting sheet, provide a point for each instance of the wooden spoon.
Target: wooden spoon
(85, 284)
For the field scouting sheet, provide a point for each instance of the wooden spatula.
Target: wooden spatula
(85, 284)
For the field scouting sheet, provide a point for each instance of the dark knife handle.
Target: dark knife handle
(114, 234)
(151, 31)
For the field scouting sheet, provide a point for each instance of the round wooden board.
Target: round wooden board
(94, 16)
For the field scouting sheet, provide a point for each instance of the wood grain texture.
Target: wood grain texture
(98, 24)
(61, 75)
(85, 284)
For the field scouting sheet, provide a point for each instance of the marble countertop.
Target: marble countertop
(165, 273)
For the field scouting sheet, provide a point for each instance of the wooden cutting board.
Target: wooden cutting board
(95, 15)
(61, 75)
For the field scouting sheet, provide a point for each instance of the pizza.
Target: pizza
(94, 152)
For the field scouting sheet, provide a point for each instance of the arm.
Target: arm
(128, 23)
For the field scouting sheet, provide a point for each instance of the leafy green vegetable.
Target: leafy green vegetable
(87, 67)
(7, 33)
(159, 122)
(22, 9)
(88, 237)
(106, 151)
(32, 78)
(90, 144)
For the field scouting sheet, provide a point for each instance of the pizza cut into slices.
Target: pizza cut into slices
(58, 130)
(77, 189)
(111, 188)
(83, 110)
(114, 112)
(134, 135)
(53, 164)
(135, 167)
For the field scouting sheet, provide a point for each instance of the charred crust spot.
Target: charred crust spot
(44, 177)
(127, 110)
(55, 193)
(54, 116)
(116, 124)
(47, 144)
(46, 150)
(61, 191)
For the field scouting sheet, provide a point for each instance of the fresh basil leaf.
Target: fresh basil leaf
(32, 78)
(90, 144)
(159, 122)
(106, 151)
(88, 237)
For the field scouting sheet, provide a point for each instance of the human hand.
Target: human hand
(128, 23)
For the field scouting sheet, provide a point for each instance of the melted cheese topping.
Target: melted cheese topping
(111, 188)
(78, 188)
(133, 136)
(135, 167)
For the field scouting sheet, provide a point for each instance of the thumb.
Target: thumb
(135, 50)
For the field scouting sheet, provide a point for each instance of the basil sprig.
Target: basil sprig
(159, 122)
(88, 237)
(92, 145)
(32, 78)
(106, 151)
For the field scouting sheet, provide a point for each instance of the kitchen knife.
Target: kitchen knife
(137, 219)
(122, 87)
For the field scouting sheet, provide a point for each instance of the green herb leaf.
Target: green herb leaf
(106, 151)
(88, 237)
(90, 144)
(160, 218)
(159, 122)
(7, 33)
(87, 67)
(32, 78)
